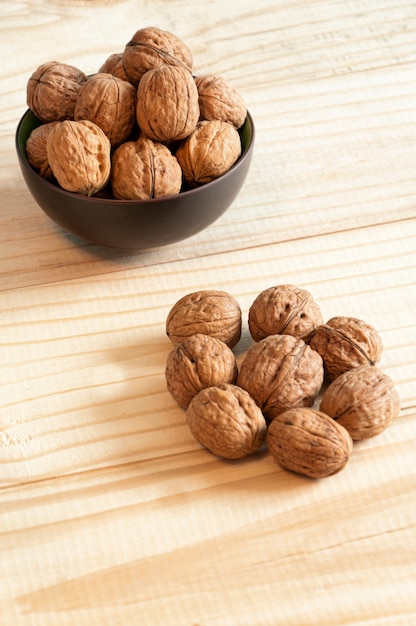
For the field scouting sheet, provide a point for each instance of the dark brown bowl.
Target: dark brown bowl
(131, 224)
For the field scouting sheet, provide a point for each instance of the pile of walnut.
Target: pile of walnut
(142, 127)
(295, 361)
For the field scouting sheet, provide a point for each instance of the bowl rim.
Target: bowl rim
(20, 148)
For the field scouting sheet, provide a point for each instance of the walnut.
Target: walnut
(36, 149)
(52, 91)
(210, 312)
(285, 310)
(109, 102)
(227, 421)
(309, 442)
(364, 400)
(114, 65)
(209, 152)
(167, 103)
(198, 362)
(346, 342)
(281, 372)
(219, 101)
(79, 156)
(152, 47)
(144, 169)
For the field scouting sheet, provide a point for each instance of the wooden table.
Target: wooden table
(110, 512)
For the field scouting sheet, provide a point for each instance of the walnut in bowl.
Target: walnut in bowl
(135, 224)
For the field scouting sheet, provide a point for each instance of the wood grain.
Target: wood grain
(110, 512)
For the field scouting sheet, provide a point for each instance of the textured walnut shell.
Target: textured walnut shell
(219, 101)
(36, 149)
(114, 65)
(285, 310)
(346, 342)
(209, 152)
(281, 372)
(144, 169)
(152, 47)
(167, 103)
(210, 312)
(198, 362)
(224, 419)
(109, 102)
(52, 91)
(309, 442)
(79, 156)
(364, 400)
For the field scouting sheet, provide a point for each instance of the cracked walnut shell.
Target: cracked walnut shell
(167, 103)
(109, 102)
(227, 421)
(346, 342)
(281, 372)
(364, 400)
(309, 442)
(198, 362)
(152, 47)
(144, 169)
(285, 310)
(209, 152)
(219, 101)
(210, 312)
(52, 91)
(79, 156)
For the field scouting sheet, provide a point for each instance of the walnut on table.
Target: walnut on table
(346, 342)
(285, 310)
(52, 91)
(281, 372)
(309, 442)
(363, 399)
(226, 420)
(210, 312)
(109, 102)
(198, 362)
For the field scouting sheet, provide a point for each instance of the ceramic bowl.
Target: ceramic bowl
(132, 224)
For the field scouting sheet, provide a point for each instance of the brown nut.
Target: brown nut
(281, 372)
(364, 400)
(109, 102)
(36, 149)
(114, 65)
(167, 103)
(285, 310)
(144, 169)
(224, 419)
(52, 91)
(79, 156)
(209, 152)
(346, 342)
(210, 312)
(219, 101)
(152, 47)
(309, 442)
(198, 362)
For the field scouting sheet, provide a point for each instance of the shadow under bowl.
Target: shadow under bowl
(132, 224)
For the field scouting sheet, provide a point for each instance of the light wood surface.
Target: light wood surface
(110, 512)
